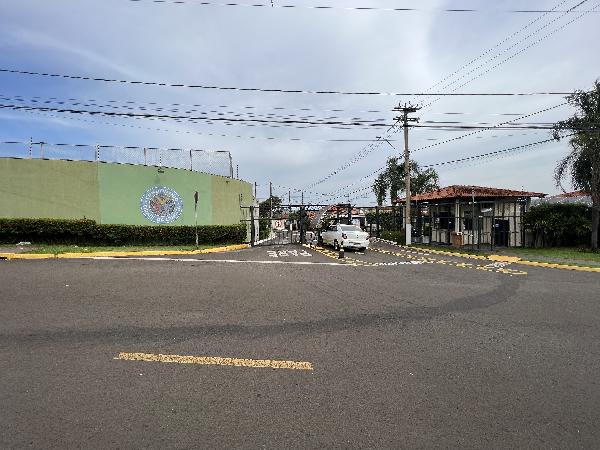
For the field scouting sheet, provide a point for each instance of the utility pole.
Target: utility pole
(302, 198)
(289, 197)
(406, 110)
(270, 203)
(255, 190)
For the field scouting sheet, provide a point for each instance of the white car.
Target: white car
(345, 236)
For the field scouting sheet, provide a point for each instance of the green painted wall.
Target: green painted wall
(35, 188)
(226, 191)
(111, 193)
(122, 186)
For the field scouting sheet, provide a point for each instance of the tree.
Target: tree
(264, 208)
(380, 189)
(391, 180)
(582, 164)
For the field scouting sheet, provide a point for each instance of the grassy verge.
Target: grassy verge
(58, 249)
(560, 255)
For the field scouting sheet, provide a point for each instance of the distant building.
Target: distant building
(567, 197)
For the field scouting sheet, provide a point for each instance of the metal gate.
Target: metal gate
(284, 225)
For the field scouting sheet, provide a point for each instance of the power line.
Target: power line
(363, 152)
(130, 106)
(491, 49)
(224, 135)
(275, 90)
(488, 155)
(372, 147)
(546, 36)
(251, 108)
(346, 8)
(190, 118)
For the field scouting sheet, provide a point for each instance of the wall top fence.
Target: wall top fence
(215, 162)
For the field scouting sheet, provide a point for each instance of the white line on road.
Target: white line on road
(298, 263)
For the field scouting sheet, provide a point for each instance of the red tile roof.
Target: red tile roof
(458, 191)
(570, 194)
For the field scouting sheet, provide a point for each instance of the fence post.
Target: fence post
(191, 161)
(252, 227)
(145, 156)
(30, 147)
(42, 150)
(97, 152)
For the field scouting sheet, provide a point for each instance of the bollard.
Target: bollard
(341, 253)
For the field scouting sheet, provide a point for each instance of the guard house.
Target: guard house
(473, 216)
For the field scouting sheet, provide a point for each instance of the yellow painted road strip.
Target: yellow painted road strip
(497, 258)
(227, 248)
(216, 361)
(489, 268)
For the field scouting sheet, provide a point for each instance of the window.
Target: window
(350, 228)
(468, 221)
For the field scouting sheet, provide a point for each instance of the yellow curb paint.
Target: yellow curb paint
(559, 266)
(26, 256)
(122, 254)
(216, 361)
(502, 258)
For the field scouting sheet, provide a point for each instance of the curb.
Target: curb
(498, 258)
(30, 256)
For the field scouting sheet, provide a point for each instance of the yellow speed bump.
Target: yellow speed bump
(216, 361)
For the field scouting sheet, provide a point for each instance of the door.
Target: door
(501, 232)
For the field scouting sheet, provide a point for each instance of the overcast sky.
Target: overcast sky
(305, 49)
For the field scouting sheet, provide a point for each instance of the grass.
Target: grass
(559, 255)
(58, 249)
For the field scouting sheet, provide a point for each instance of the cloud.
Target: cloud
(300, 48)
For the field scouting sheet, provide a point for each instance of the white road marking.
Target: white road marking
(298, 263)
(286, 253)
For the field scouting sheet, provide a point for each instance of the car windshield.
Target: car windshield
(350, 228)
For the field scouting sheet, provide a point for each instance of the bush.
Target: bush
(264, 228)
(399, 237)
(388, 220)
(558, 224)
(88, 232)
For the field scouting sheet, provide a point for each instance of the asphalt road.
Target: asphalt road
(406, 350)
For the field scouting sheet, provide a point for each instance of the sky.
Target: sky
(303, 49)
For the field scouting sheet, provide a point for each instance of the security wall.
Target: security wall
(118, 193)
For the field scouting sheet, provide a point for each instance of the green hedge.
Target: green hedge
(56, 231)
(558, 224)
(399, 237)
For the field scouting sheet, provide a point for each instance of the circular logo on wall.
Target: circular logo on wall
(161, 205)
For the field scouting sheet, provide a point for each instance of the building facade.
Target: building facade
(473, 216)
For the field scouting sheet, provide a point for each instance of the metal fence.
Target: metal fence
(213, 162)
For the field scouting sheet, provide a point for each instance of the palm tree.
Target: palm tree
(582, 164)
(392, 180)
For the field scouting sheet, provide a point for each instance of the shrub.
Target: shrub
(388, 220)
(88, 232)
(264, 228)
(558, 224)
(399, 237)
